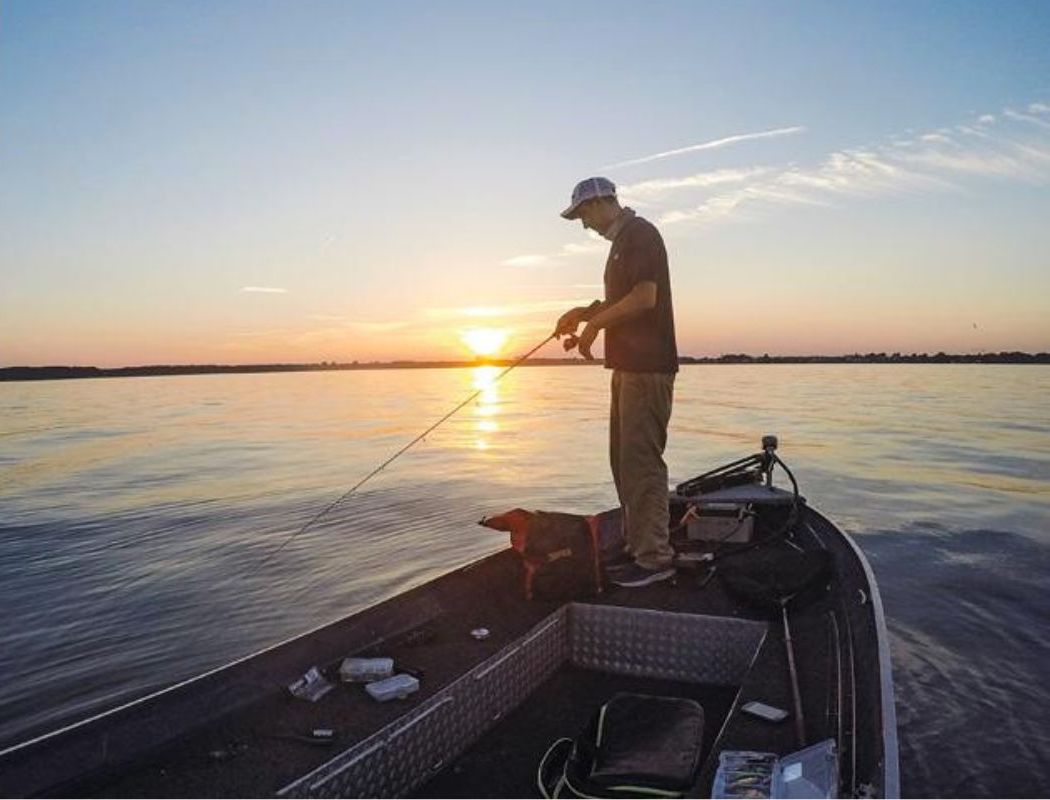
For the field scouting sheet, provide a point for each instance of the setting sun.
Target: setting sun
(484, 341)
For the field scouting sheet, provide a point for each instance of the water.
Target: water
(137, 514)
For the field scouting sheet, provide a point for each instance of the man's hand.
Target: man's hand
(590, 333)
(569, 321)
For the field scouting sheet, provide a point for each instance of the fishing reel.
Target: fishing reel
(572, 341)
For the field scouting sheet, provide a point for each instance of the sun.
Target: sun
(484, 342)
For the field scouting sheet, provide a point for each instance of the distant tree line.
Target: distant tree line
(1012, 357)
(62, 372)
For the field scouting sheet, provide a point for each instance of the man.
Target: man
(640, 349)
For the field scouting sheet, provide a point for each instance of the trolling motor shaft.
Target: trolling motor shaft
(769, 448)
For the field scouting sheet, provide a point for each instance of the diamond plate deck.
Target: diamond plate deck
(660, 644)
(643, 643)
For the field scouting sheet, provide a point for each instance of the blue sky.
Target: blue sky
(851, 177)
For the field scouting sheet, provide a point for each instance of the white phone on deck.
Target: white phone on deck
(763, 711)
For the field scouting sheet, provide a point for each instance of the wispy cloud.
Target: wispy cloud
(645, 191)
(271, 333)
(1042, 123)
(932, 161)
(379, 327)
(339, 332)
(330, 318)
(986, 164)
(853, 172)
(264, 289)
(994, 146)
(365, 326)
(712, 145)
(970, 130)
(596, 244)
(862, 172)
(504, 312)
(724, 205)
(528, 260)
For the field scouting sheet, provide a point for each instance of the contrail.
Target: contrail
(743, 137)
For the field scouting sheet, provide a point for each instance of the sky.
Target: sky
(253, 182)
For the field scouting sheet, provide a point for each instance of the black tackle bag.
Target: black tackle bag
(637, 745)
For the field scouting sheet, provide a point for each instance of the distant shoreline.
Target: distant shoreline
(68, 372)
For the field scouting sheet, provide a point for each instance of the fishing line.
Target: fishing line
(117, 597)
(331, 506)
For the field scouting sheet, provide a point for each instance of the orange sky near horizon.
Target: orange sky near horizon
(712, 332)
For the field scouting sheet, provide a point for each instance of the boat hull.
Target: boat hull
(225, 733)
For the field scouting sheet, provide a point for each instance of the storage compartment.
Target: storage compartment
(613, 648)
(503, 762)
(722, 522)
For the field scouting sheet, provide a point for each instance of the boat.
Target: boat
(805, 683)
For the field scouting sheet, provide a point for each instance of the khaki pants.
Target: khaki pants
(638, 417)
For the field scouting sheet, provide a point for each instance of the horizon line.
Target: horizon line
(58, 371)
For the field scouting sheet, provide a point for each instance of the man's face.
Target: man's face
(590, 216)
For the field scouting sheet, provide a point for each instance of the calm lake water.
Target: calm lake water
(135, 514)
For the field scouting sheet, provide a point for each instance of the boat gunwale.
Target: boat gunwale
(887, 700)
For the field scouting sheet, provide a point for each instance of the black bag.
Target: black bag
(559, 552)
(637, 745)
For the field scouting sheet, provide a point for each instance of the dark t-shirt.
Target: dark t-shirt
(644, 343)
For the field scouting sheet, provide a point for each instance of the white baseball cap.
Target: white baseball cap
(588, 190)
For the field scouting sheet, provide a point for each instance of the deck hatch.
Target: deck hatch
(661, 644)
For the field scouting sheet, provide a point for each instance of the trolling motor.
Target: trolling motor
(757, 468)
(736, 473)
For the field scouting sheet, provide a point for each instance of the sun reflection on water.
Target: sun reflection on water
(487, 405)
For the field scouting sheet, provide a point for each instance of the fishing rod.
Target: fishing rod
(331, 506)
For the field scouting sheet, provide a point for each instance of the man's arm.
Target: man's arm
(604, 314)
(640, 299)
(637, 301)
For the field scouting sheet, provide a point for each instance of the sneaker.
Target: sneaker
(635, 575)
(617, 563)
(615, 571)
